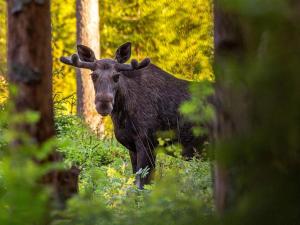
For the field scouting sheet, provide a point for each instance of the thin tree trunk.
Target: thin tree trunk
(30, 69)
(87, 13)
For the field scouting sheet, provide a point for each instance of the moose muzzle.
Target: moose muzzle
(104, 104)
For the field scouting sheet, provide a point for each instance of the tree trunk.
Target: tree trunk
(30, 69)
(87, 13)
(254, 56)
(229, 45)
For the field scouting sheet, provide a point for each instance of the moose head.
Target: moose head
(105, 72)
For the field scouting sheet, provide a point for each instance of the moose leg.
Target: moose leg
(145, 162)
(192, 146)
(188, 152)
(188, 145)
(133, 159)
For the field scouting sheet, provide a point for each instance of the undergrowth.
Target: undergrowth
(181, 192)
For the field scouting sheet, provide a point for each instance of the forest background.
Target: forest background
(176, 35)
(254, 161)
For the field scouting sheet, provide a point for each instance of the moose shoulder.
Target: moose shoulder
(142, 99)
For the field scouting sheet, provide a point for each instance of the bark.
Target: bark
(231, 102)
(30, 69)
(87, 13)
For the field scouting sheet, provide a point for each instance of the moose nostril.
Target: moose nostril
(104, 98)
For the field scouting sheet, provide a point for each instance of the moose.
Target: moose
(141, 99)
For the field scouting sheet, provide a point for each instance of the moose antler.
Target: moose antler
(134, 65)
(75, 61)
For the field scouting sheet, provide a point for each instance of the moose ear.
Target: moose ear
(85, 53)
(123, 53)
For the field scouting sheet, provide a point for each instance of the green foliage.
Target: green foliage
(23, 200)
(18, 187)
(102, 162)
(199, 109)
(106, 177)
(178, 196)
(176, 35)
(82, 147)
(163, 204)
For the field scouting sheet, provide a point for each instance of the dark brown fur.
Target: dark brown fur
(147, 101)
(142, 99)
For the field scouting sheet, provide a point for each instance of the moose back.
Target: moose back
(142, 99)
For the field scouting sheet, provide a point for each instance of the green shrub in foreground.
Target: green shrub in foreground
(181, 192)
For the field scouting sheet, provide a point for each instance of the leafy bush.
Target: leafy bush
(82, 147)
(23, 200)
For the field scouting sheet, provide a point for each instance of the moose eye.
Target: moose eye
(116, 77)
(94, 77)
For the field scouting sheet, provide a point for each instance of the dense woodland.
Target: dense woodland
(60, 162)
